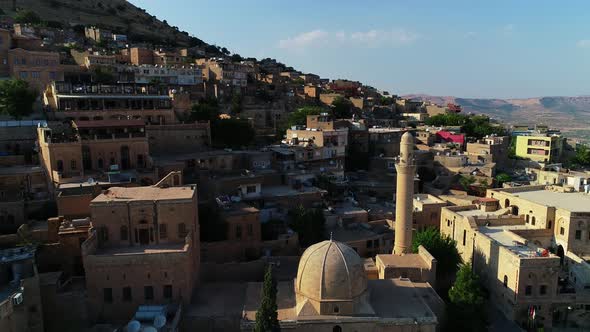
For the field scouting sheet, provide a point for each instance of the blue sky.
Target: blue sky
(499, 49)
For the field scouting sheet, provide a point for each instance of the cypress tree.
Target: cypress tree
(266, 316)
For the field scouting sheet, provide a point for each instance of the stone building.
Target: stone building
(149, 103)
(143, 248)
(332, 293)
(493, 149)
(96, 150)
(36, 67)
(528, 244)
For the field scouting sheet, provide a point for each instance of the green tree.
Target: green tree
(16, 98)
(299, 117)
(233, 133)
(466, 308)
(341, 108)
(441, 247)
(309, 225)
(503, 178)
(236, 57)
(266, 316)
(27, 16)
(466, 181)
(206, 110)
(582, 156)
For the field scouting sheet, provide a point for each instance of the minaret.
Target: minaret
(404, 196)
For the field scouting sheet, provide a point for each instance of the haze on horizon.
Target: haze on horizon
(499, 49)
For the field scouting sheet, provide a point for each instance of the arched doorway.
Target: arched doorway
(560, 254)
(506, 203)
(515, 210)
(124, 157)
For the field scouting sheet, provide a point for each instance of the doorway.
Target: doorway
(144, 236)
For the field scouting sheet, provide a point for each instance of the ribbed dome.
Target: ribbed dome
(331, 271)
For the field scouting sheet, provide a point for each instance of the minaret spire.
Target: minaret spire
(404, 196)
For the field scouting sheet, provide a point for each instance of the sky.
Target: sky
(471, 49)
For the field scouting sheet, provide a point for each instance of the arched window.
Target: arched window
(337, 329)
(505, 281)
(533, 220)
(73, 164)
(506, 203)
(124, 233)
(515, 210)
(549, 224)
(527, 218)
(60, 165)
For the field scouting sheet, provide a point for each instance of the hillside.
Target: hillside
(117, 15)
(571, 114)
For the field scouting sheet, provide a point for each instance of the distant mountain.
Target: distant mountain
(120, 16)
(570, 114)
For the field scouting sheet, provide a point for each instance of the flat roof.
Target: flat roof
(404, 261)
(124, 194)
(509, 240)
(573, 202)
(138, 250)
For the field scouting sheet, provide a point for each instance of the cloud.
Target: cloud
(303, 40)
(370, 38)
(384, 37)
(583, 43)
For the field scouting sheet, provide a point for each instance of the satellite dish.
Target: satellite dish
(133, 326)
(150, 329)
(159, 321)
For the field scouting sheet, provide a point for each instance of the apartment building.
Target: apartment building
(102, 150)
(35, 67)
(97, 34)
(492, 149)
(148, 74)
(319, 141)
(225, 72)
(143, 249)
(150, 103)
(540, 148)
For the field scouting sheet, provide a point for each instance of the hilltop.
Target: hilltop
(119, 16)
(570, 114)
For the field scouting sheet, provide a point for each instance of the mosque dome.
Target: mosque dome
(331, 271)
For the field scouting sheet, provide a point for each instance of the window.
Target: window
(124, 233)
(250, 230)
(182, 231)
(250, 189)
(163, 231)
(533, 220)
(336, 309)
(448, 223)
(238, 231)
(578, 234)
(73, 164)
(543, 289)
(148, 293)
(23, 74)
(35, 74)
(464, 236)
(549, 224)
(52, 75)
(127, 294)
(100, 163)
(107, 295)
(103, 234)
(167, 291)
(505, 281)
(527, 218)
(561, 231)
(528, 290)
(369, 244)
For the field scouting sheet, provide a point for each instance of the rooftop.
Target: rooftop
(573, 202)
(511, 241)
(108, 123)
(405, 261)
(122, 194)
